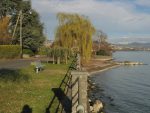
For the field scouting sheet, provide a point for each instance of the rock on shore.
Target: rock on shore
(97, 107)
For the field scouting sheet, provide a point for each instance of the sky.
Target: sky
(124, 21)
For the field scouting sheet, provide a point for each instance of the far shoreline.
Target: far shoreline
(101, 64)
(105, 69)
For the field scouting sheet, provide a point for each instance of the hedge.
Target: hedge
(28, 52)
(9, 51)
(43, 51)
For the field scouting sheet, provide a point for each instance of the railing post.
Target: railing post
(79, 91)
(78, 66)
(80, 107)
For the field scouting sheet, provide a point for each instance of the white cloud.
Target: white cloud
(115, 16)
(143, 2)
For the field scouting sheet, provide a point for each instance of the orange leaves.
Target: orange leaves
(4, 31)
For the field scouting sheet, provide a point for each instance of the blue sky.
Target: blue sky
(123, 20)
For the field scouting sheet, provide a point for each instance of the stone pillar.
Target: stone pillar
(79, 76)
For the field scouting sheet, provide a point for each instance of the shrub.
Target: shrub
(13, 75)
(43, 51)
(28, 51)
(9, 51)
(103, 53)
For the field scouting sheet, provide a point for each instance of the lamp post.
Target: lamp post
(20, 17)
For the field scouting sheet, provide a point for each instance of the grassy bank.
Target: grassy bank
(25, 89)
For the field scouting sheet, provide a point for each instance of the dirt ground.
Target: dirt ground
(98, 64)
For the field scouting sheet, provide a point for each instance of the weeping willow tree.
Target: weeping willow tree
(75, 31)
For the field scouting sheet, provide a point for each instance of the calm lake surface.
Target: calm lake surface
(125, 89)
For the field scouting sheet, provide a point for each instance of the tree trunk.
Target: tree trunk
(66, 59)
(53, 59)
(58, 60)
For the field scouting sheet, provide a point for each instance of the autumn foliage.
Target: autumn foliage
(5, 37)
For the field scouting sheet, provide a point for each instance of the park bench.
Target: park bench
(38, 66)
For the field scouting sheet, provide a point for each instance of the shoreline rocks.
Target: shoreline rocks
(96, 105)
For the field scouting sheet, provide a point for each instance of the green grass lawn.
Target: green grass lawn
(26, 87)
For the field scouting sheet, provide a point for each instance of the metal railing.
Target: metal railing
(62, 94)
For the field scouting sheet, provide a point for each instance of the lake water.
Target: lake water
(125, 89)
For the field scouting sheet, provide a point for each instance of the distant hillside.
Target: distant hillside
(135, 45)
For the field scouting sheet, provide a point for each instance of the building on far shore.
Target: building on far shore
(121, 47)
(48, 43)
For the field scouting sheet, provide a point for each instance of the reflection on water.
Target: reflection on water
(126, 89)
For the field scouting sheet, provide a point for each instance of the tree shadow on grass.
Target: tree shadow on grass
(13, 75)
